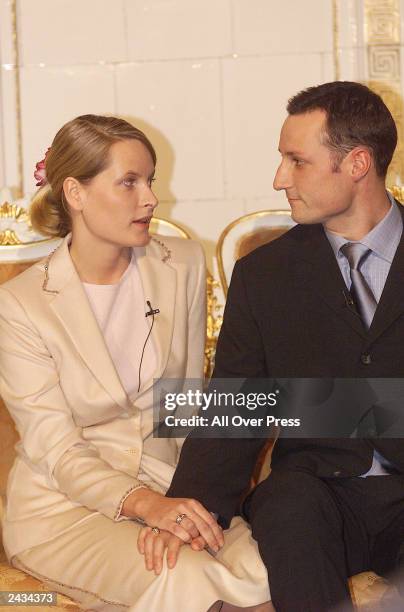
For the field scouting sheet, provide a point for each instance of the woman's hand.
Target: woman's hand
(167, 513)
(152, 546)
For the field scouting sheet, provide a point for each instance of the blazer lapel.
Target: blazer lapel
(326, 278)
(159, 280)
(391, 304)
(69, 302)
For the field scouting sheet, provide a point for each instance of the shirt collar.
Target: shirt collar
(383, 239)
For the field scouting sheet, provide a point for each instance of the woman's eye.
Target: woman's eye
(129, 182)
(151, 181)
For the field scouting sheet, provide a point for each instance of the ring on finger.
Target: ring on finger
(180, 518)
(155, 530)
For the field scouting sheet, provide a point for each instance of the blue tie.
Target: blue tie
(365, 301)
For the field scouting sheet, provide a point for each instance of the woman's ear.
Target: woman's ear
(72, 190)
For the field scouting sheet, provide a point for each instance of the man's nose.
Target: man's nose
(282, 177)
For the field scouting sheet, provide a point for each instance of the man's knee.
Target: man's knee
(286, 499)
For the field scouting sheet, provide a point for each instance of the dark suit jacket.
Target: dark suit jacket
(287, 316)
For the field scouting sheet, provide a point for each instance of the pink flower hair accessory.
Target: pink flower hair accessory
(40, 172)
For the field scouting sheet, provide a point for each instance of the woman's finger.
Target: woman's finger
(148, 550)
(173, 548)
(198, 543)
(141, 539)
(207, 526)
(189, 526)
(159, 545)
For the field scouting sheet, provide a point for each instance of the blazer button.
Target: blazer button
(366, 359)
(337, 473)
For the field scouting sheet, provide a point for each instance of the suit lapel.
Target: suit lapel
(159, 280)
(69, 302)
(325, 278)
(391, 304)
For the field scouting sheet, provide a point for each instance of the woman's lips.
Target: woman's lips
(143, 221)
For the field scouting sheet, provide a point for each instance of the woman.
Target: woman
(83, 335)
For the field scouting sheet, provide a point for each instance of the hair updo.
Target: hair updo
(80, 150)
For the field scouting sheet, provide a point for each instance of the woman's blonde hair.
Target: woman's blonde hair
(80, 149)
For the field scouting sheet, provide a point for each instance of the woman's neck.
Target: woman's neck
(100, 264)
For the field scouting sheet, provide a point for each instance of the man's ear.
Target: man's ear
(73, 193)
(361, 161)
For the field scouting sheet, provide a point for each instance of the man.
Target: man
(324, 300)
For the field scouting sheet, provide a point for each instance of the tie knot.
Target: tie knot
(356, 253)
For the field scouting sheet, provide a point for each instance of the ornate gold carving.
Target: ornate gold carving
(398, 193)
(382, 21)
(213, 326)
(384, 62)
(9, 238)
(13, 211)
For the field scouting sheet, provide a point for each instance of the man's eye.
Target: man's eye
(298, 162)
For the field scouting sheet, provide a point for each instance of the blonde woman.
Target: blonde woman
(83, 336)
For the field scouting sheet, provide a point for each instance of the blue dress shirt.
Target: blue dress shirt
(383, 241)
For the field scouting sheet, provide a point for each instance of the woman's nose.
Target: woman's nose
(150, 199)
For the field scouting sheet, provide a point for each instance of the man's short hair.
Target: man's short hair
(356, 116)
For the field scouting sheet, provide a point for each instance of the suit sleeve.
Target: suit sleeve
(196, 315)
(50, 440)
(196, 295)
(217, 471)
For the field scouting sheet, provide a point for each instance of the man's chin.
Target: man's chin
(303, 217)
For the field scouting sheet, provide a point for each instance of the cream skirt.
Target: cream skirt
(97, 563)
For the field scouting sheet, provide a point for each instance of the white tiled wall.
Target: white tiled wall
(181, 99)
(255, 91)
(68, 32)
(208, 80)
(178, 29)
(266, 27)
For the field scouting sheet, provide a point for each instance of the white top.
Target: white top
(120, 313)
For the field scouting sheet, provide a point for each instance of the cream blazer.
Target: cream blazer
(81, 441)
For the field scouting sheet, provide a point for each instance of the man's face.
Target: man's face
(316, 192)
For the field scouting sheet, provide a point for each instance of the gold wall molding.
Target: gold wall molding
(382, 21)
(383, 42)
(336, 43)
(17, 88)
(384, 63)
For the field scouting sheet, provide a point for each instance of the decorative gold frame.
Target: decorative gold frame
(169, 224)
(227, 230)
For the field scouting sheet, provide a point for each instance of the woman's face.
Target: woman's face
(118, 203)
